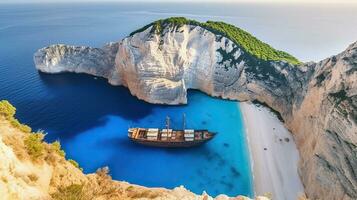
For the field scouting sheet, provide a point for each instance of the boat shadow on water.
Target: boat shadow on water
(214, 160)
(128, 144)
(204, 150)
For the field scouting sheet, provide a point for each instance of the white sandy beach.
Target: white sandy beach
(274, 157)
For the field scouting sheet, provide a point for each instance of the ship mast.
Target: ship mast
(167, 123)
(184, 121)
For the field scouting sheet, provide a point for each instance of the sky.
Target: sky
(218, 1)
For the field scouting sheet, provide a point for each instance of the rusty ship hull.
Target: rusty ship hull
(168, 138)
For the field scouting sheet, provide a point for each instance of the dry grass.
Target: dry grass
(56, 147)
(105, 186)
(137, 193)
(52, 158)
(74, 163)
(102, 187)
(15, 141)
(33, 177)
(4, 179)
(72, 192)
(23, 127)
(149, 194)
(34, 145)
(8, 111)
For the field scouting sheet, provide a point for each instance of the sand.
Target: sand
(273, 153)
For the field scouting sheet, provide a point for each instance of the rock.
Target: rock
(63, 58)
(325, 130)
(317, 101)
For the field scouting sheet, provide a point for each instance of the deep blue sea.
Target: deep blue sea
(91, 117)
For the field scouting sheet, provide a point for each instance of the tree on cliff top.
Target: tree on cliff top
(245, 40)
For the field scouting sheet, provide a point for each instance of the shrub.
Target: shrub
(103, 172)
(146, 194)
(72, 192)
(22, 127)
(33, 177)
(7, 109)
(34, 145)
(75, 163)
(56, 147)
(248, 42)
(130, 188)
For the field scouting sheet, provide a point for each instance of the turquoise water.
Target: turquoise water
(219, 166)
(91, 117)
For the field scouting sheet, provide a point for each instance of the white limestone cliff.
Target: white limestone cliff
(311, 98)
(156, 69)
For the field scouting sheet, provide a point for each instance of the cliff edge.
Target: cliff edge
(161, 61)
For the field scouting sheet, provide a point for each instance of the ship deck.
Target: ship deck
(165, 135)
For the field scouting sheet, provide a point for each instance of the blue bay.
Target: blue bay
(91, 117)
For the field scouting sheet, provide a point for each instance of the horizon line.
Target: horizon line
(301, 2)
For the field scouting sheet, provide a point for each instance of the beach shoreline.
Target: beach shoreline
(273, 154)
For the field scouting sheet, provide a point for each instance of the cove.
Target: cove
(91, 117)
(92, 127)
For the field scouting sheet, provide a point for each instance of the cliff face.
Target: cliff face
(60, 58)
(325, 127)
(159, 68)
(317, 101)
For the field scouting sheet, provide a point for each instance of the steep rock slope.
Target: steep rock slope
(317, 101)
(325, 127)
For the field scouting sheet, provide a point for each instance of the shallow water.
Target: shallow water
(90, 117)
(219, 166)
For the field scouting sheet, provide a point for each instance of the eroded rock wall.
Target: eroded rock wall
(325, 127)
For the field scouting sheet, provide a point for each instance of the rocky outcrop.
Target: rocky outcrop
(317, 101)
(325, 127)
(161, 68)
(63, 58)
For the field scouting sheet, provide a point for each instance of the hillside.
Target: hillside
(240, 37)
(316, 101)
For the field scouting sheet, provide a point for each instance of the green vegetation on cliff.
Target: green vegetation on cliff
(8, 111)
(248, 42)
(56, 147)
(75, 163)
(34, 144)
(71, 192)
(159, 25)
